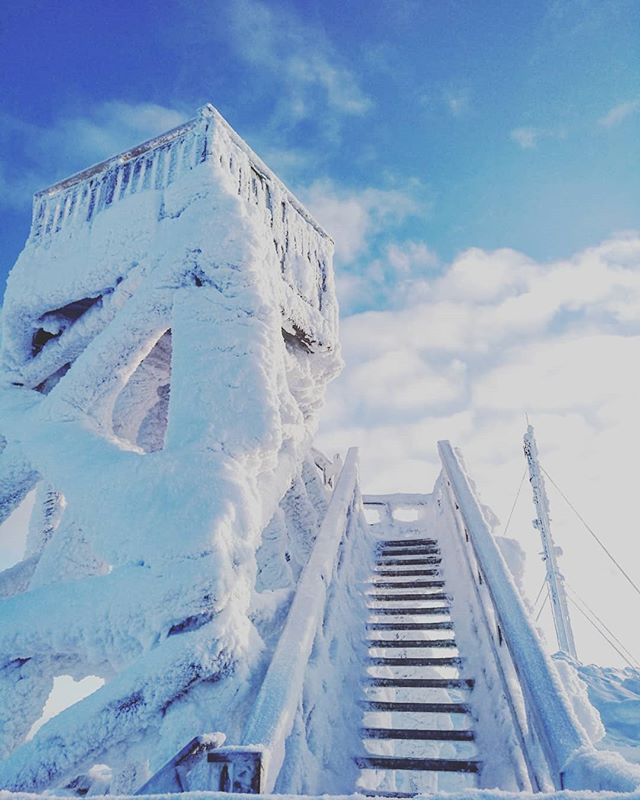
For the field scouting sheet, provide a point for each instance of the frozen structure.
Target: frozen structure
(168, 333)
(169, 329)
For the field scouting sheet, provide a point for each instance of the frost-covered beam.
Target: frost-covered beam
(93, 382)
(186, 768)
(17, 478)
(65, 348)
(117, 713)
(16, 579)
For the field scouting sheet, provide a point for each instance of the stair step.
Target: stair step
(407, 546)
(410, 626)
(410, 561)
(425, 708)
(411, 612)
(431, 550)
(420, 683)
(390, 598)
(418, 734)
(402, 643)
(407, 584)
(422, 764)
(406, 542)
(413, 573)
(435, 661)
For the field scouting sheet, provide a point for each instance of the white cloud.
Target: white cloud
(372, 267)
(109, 128)
(457, 102)
(352, 216)
(484, 277)
(619, 113)
(405, 258)
(73, 142)
(529, 137)
(299, 58)
(493, 336)
(556, 374)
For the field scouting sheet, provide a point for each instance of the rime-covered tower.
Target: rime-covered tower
(168, 333)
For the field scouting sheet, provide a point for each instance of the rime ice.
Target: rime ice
(169, 330)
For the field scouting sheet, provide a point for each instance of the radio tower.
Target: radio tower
(555, 580)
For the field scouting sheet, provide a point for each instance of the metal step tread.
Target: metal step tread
(412, 573)
(400, 644)
(407, 584)
(409, 611)
(435, 661)
(408, 551)
(444, 625)
(409, 561)
(426, 708)
(419, 683)
(389, 598)
(418, 734)
(405, 542)
(421, 764)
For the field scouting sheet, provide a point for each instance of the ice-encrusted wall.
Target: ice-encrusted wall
(168, 332)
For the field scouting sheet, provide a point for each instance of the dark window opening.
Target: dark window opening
(54, 323)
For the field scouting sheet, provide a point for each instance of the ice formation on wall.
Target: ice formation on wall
(168, 332)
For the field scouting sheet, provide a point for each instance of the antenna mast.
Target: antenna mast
(555, 580)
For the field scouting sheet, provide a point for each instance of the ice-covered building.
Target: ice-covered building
(168, 334)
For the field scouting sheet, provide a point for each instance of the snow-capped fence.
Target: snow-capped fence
(252, 766)
(556, 750)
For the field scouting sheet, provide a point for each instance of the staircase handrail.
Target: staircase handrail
(273, 715)
(572, 760)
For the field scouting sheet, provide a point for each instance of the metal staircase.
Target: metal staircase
(433, 719)
(416, 695)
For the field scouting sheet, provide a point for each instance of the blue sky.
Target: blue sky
(477, 165)
(488, 124)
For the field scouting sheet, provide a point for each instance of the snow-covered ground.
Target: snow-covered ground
(615, 693)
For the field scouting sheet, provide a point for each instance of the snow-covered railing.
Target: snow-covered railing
(302, 246)
(544, 721)
(253, 764)
(155, 164)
